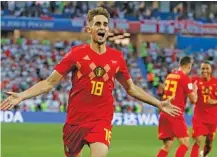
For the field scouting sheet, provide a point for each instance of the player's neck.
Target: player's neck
(207, 78)
(183, 70)
(100, 49)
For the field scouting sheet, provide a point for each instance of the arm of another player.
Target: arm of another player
(141, 95)
(38, 89)
(212, 101)
(193, 95)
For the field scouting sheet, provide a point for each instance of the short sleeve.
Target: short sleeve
(123, 68)
(187, 84)
(66, 64)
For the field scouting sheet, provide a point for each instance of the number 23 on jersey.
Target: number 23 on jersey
(170, 85)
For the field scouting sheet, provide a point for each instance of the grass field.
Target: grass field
(45, 140)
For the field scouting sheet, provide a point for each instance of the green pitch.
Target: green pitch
(45, 140)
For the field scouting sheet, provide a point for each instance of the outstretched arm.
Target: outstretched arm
(38, 89)
(212, 101)
(141, 95)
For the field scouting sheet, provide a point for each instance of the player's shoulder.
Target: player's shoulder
(77, 51)
(214, 80)
(114, 51)
(78, 48)
(179, 73)
(184, 77)
(174, 74)
(195, 78)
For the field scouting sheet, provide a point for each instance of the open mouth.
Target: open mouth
(101, 34)
(204, 73)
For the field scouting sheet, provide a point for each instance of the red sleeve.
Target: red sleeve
(123, 68)
(187, 84)
(66, 64)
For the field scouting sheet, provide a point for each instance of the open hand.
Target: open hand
(11, 101)
(170, 109)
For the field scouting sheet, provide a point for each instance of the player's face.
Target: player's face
(206, 70)
(189, 66)
(99, 29)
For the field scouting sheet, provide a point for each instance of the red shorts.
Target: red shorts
(170, 127)
(202, 129)
(76, 136)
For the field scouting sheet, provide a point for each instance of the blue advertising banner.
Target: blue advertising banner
(195, 44)
(145, 119)
(11, 23)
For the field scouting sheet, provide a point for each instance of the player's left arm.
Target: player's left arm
(213, 101)
(143, 96)
(123, 77)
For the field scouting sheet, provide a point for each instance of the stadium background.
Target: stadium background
(151, 35)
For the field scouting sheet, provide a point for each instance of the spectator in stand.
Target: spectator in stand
(122, 10)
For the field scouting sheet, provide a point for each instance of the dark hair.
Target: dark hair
(206, 62)
(185, 60)
(97, 11)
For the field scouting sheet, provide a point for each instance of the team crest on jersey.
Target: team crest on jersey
(206, 90)
(99, 71)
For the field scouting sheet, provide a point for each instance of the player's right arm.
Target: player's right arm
(40, 88)
(61, 69)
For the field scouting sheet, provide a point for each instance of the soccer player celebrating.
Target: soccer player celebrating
(205, 112)
(179, 86)
(94, 68)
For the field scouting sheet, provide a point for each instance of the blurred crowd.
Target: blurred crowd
(118, 9)
(25, 62)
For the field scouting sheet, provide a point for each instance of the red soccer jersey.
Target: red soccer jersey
(177, 85)
(206, 90)
(92, 80)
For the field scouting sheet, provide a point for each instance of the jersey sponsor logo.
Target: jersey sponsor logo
(86, 58)
(190, 86)
(99, 71)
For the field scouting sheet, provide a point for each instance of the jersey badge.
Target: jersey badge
(99, 71)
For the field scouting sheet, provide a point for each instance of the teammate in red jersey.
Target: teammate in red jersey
(179, 86)
(205, 112)
(94, 68)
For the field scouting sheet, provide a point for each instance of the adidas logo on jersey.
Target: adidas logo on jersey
(86, 57)
(114, 62)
